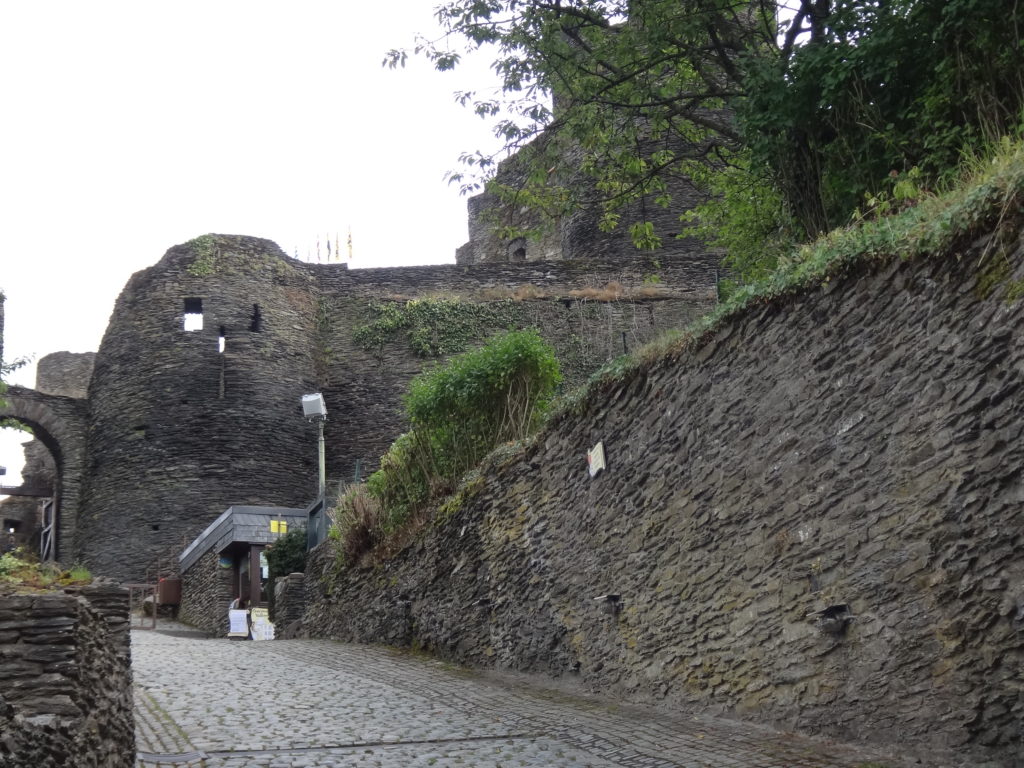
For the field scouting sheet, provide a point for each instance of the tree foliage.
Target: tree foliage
(811, 109)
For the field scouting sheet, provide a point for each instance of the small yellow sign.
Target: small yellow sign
(278, 526)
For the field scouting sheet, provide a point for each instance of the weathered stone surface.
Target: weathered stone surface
(65, 373)
(289, 605)
(66, 700)
(578, 235)
(175, 430)
(205, 595)
(813, 519)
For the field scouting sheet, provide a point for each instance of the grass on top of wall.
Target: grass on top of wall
(21, 571)
(988, 198)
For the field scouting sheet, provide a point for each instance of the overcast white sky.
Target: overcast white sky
(129, 127)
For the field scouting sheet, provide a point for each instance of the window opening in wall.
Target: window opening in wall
(193, 320)
(517, 250)
(257, 319)
(222, 344)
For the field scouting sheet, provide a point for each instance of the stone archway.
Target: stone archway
(59, 423)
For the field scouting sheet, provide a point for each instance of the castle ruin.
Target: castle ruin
(192, 403)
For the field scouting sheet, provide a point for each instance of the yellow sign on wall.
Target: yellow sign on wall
(278, 526)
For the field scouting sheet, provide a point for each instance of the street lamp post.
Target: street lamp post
(313, 409)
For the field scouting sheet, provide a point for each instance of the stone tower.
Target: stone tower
(194, 400)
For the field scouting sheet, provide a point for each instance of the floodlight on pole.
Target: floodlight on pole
(314, 409)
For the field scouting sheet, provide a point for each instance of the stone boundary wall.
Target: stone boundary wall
(289, 605)
(205, 595)
(814, 519)
(65, 680)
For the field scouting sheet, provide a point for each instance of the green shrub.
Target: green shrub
(458, 413)
(358, 528)
(284, 556)
(484, 397)
(287, 554)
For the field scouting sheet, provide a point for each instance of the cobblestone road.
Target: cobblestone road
(297, 703)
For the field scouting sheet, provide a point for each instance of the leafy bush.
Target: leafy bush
(284, 556)
(458, 413)
(462, 410)
(288, 553)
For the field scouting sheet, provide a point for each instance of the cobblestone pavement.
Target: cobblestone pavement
(315, 703)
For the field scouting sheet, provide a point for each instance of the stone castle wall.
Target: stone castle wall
(65, 373)
(813, 519)
(65, 680)
(179, 430)
(363, 387)
(206, 594)
(577, 235)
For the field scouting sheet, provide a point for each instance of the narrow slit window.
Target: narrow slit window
(193, 320)
(221, 341)
(257, 319)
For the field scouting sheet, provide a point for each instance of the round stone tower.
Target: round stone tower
(194, 401)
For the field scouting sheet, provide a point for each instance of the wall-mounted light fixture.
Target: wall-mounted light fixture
(832, 620)
(610, 604)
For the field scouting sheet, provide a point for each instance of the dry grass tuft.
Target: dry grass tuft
(612, 291)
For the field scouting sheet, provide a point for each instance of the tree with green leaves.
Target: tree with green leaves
(6, 368)
(786, 115)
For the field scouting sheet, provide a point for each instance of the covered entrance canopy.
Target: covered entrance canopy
(239, 535)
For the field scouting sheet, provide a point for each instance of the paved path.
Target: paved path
(315, 703)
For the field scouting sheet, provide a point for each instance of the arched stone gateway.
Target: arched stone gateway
(60, 424)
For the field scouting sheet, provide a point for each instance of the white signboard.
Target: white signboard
(238, 623)
(262, 629)
(595, 459)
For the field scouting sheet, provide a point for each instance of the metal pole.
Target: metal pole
(323, 463)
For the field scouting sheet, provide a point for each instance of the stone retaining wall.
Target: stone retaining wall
(814, 519)
(205, 595)
(289, 605)
(65, 680)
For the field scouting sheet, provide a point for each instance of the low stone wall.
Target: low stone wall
(814, 519)
(289, 605)
(206, 595)
(65, 680)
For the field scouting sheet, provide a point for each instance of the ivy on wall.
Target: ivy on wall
(435, 327)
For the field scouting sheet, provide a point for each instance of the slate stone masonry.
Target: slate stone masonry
(206, 594)
(184, 423)
(65, 679)
(813, 519)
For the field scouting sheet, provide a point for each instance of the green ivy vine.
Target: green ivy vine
(435, 327)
